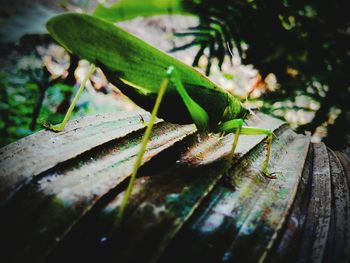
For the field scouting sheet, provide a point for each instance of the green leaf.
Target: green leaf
(128, 9)
(63, 87)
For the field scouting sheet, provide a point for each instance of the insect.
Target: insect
(154, 81)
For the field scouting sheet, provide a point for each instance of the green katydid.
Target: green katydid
(154, 80)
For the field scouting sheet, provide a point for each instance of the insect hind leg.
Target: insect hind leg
(232, 125)
(162, 89)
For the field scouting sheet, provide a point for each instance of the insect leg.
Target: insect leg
(199, 115)
(232, 125)
(59, 127)
(257, 131)
(162, 89)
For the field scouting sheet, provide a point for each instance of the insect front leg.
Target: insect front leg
(199, 115)
(59, 127)
(232, 125)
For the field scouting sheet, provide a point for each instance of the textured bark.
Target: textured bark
(60, 194)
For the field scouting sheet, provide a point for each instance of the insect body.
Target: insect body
(153, 80)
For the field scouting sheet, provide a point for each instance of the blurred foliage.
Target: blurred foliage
(23, 84)
(29, 92)
(29, 95)
(27, 20)
(306, 44)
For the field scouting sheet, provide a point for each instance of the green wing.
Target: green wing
(129, 57)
